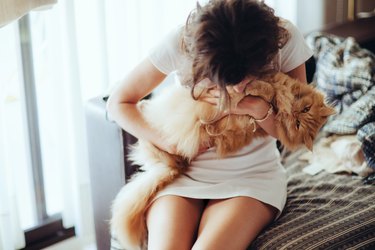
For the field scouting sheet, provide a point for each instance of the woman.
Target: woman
(218, 203)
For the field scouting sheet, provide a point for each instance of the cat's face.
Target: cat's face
(309, 114)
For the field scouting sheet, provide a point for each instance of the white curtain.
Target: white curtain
(11, 233)
(13, 158)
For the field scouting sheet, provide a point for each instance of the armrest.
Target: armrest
(109, 169)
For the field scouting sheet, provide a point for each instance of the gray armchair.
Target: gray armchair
(109, 169)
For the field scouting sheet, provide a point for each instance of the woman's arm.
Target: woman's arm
(122, 103)
(298, 73)
(258, 108)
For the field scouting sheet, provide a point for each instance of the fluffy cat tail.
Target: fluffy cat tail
(129, 207)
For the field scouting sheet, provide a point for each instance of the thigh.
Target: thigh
(232, 223)
(172, 222)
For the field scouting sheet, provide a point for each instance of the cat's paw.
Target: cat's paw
(261, 89)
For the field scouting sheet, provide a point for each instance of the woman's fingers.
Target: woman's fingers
(212, 96)
(209, 99)
(214, 92)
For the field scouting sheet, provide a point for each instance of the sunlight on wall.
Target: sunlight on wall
(285, 9)
(134, 27)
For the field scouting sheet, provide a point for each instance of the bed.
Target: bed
(323, 211)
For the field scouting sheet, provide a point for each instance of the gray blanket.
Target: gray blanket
(346, 73)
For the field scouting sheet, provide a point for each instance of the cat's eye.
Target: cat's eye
(298, 123)
(306, 109)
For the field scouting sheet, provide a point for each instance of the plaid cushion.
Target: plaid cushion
(367, 136)
(344, 70)
(354, 117)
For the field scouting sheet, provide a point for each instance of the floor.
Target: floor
(73, 244)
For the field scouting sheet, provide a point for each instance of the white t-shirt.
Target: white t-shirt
(167, 56)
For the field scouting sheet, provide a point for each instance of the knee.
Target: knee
(173, 222)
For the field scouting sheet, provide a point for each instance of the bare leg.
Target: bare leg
(172, 222)
(232, 223)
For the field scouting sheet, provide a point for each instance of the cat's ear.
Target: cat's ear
(308, 142)
(327, 111)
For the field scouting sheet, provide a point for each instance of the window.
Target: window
(30, 181)
(14, 138)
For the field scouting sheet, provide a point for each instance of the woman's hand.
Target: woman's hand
(250, 105)
(254, 106)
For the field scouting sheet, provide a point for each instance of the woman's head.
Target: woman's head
(229, 40)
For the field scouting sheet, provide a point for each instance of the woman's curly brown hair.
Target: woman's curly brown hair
(228, 40)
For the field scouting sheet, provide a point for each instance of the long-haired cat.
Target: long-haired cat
(300, 111)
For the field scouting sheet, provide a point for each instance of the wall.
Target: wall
(313, 15)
